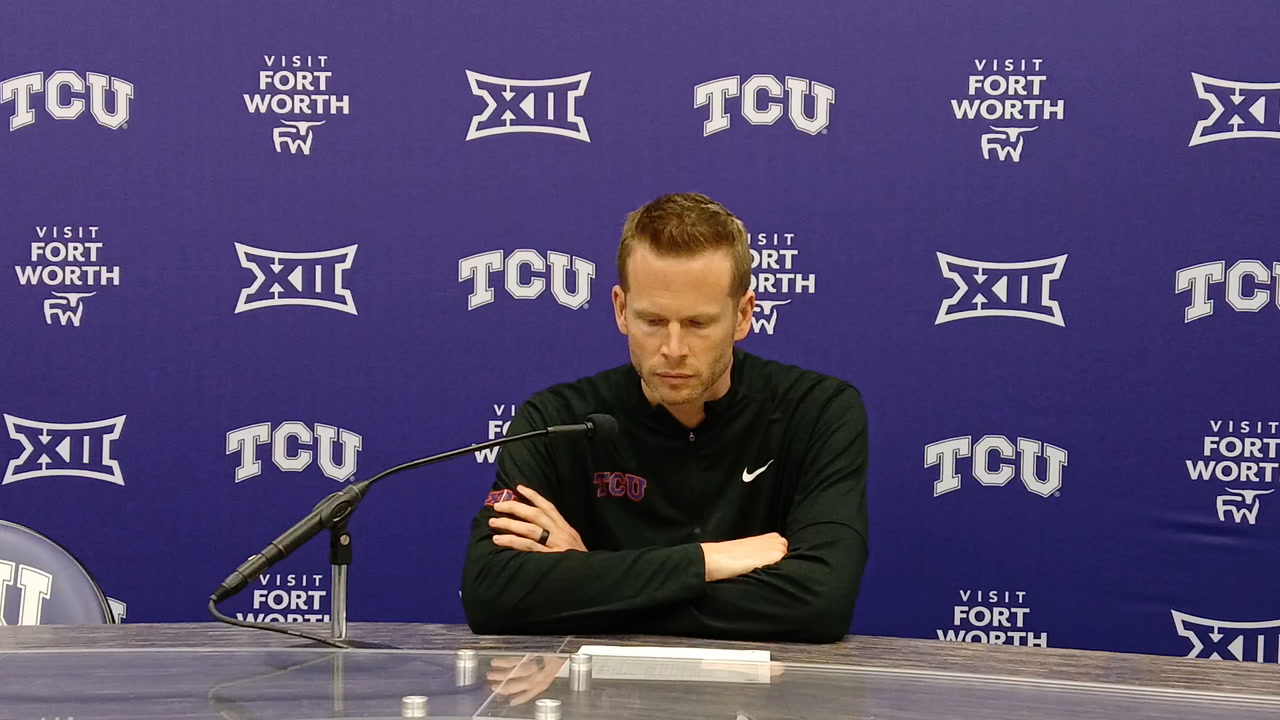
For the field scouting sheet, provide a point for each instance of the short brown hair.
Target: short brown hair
(685, 225)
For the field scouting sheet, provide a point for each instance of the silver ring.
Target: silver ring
(545, 535)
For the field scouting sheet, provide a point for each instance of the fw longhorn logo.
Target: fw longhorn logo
(768, 312)
(1230, 640)
(528, 106)
(1000, 289)
(1239, 110)
(64, 450)
(53, 308)
(1241, 504)
(34, 587)
(1005, 142)
(295, 135)
(313, 279)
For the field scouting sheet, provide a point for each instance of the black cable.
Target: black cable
(213, 608)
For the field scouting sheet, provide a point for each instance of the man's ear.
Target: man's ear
(620, 308)
(746, 307)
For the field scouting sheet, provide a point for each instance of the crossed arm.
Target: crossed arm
(519, 525)
(799, 585)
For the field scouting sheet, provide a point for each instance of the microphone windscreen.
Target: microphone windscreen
(604, 426)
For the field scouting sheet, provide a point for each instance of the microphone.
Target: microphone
(336, 509)
(331, 511)
(598, 425)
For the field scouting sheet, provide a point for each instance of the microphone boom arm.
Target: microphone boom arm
(334, 511)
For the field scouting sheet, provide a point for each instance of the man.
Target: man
(732, 502)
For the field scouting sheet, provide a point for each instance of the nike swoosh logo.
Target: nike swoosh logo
(749, 476)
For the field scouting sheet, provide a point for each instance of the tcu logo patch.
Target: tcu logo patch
(498, 496)
(64, 450)
(994, 289)
(1228, 640)
(296, 278)
(1240, 110)
(19, 90)
(616, 484)
(529, 106)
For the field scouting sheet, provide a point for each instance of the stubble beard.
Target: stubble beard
(695, 393)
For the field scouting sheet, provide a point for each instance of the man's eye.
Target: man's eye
(698, 324)
(654, 322)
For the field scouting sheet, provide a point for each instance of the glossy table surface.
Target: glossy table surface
(214, 671)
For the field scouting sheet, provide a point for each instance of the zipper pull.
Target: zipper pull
(691, 436)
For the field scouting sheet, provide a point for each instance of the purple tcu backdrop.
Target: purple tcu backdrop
(260, 251)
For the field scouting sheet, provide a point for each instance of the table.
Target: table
(205, 670)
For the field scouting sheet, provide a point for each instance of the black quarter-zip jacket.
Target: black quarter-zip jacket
(785, 450)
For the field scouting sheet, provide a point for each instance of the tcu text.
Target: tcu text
(947, 453)
(1248, 286)
(716, 92)
(523, 270)
(67, 84)
(289, 442)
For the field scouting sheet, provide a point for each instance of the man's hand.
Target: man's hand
(522, 678)
(738, 557)
(522, 531)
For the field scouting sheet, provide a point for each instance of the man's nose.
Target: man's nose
(675, 345)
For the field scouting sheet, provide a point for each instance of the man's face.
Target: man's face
(681, 323)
